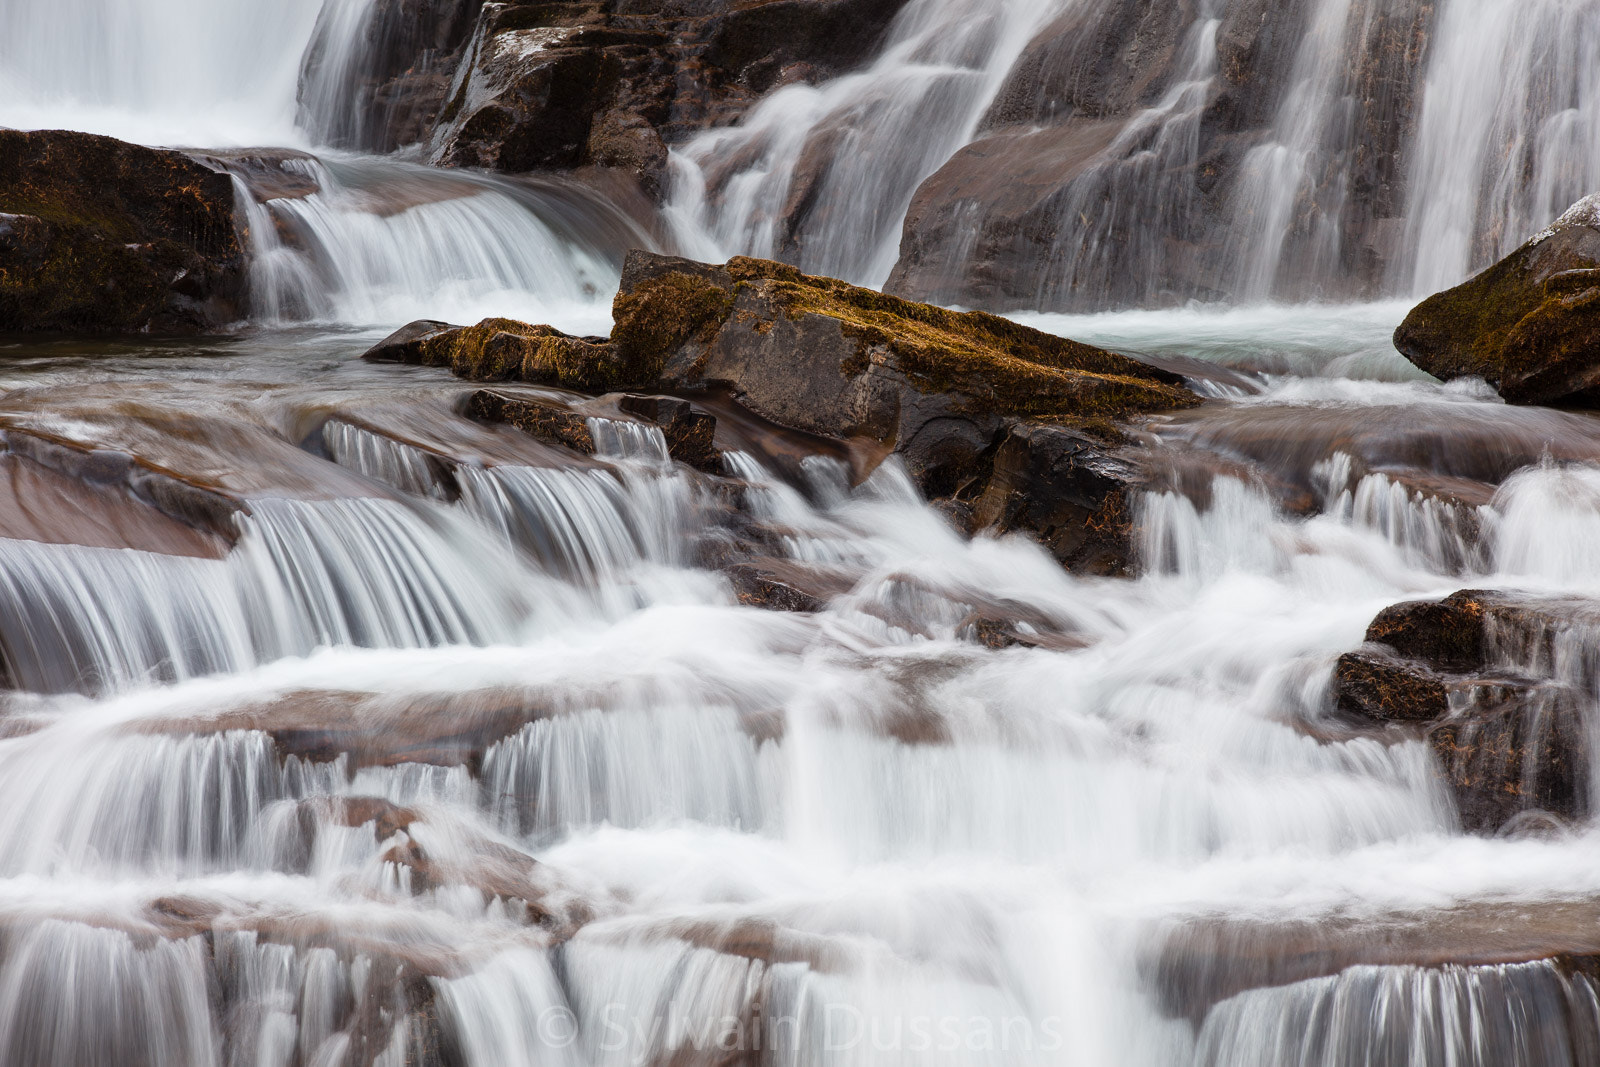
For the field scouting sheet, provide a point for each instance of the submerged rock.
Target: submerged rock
(1529, 325)
(101, 236)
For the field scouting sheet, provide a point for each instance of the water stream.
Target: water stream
(436, 745)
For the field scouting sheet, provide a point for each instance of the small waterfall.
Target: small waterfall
(822, 176)
(1292, 174)
(388, 241)
(1117, 217)
(120, 803)
(330, 100)
(590, 525)
(628, 769)
(1548, 517)
(400, 467)
(1521, 1015)
(304, 575)
(76, 996)
(1508, 136)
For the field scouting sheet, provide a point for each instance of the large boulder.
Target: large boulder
(97, 235)
(1014, 425)
(1529, 325)
(1483, 677)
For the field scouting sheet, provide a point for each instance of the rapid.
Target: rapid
(418, 741)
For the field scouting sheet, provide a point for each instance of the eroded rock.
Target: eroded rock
(584, 83)
(1015, 425)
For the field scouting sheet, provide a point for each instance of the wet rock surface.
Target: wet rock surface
(1489, 679)
(968, 401)
(1529, 325)
(1109, 136)
(101, 236)
(611, 84)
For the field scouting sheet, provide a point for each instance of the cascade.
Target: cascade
(427, 740)
(1496, 159)
(822, 175)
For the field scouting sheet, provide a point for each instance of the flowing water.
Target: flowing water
(343, 729)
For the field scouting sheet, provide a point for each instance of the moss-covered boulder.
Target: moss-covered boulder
(101, 236)
(1529, 325)
(982, 410)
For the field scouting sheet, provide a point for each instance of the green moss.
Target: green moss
(662, 314)
(997, 364)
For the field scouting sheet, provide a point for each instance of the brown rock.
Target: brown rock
(690, 432)
(101, 236)
(1380, 687)
(1529, 325)
(547, 421)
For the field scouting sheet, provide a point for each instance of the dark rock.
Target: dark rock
(1529, 325)
(391, 89)
(960, 397)
(1073, 156)
(1447, 635)
(581, 83)
(1384, 688)
(690, 432)
(763, 587)
(549, 422)
(408, 344)
(97, 235)
(1508, 745)
(1516, 749)
(1069, 488)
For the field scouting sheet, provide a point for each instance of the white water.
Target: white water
(639, 822)
(898, 843)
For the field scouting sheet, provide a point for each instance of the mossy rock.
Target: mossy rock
(1529, 325)
(499, 350)
(97, 235)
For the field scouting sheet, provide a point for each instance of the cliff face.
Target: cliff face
(518, 86)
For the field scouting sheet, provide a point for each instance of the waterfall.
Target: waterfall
(1508, 137)
(454, 747)
(822, 176)
(191, 72)
(386, 241)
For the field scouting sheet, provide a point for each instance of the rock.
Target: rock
(771, 586)
(1478, 673)
(1516, 749)
(101, 236)
(549, 422)
(408, 344)
(1385, 688)
(963, 398)
(1529, 325)
(1447, 635)
(1087, 187)
(590, 83)
(690, 432)
(1071, 490)
(387, 91)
